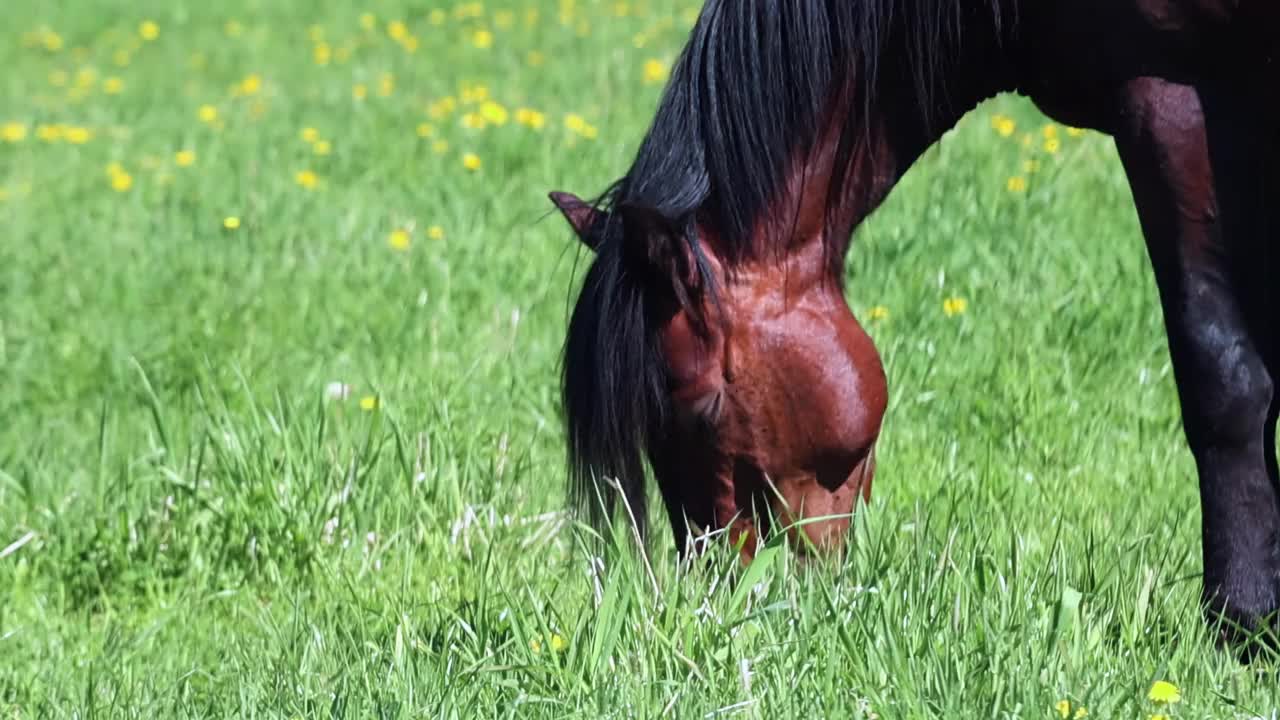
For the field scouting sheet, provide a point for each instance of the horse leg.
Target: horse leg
(1242, 125)
(1201, 255)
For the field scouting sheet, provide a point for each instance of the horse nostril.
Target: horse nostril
(835, 468)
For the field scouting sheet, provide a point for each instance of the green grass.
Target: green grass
(207, 534)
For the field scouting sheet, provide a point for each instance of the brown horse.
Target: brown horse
(712, 335)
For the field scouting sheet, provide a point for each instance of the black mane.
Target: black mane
(750, 89)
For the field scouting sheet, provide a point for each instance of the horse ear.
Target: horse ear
(582, 216)
(663, 243)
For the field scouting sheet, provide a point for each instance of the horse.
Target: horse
(711, 339)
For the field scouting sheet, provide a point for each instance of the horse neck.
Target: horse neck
(876, 146)
(807, 231)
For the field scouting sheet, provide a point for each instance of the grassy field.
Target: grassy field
(282, 313)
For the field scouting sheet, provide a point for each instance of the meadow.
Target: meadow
(281, 308)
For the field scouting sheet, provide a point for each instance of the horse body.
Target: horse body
(715, 307)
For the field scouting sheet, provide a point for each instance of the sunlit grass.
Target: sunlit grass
(283, 305)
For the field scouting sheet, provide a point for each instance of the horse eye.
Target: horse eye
(704, 409)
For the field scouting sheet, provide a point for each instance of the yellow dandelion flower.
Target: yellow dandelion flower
(86, 78)
(1158, 716)
(13, 132)
(1052, 145)
(1003, 125)
(1163, 692)
(471, 161)
(536, 645)
(184, 158)
(360, 91)
(59, 78)
(655, 71)
(77, 135)
(309, 134)
(251, 84)
(397, 30)
(369, 403)
(435, 232)
(1049, 131)
(437, 17)
(558, 643)
(575, 123)
(231, 222)
(322, 53)
(306, 179)
(50, 133)
(473, 121)
(233, 28)
(112, 86)
(386, 85)
(398, 239)
(494, 113)
(590, 132)
(121, 181)
(207, 113)
(535, 58)
(879, 312)
(425, 130)
(410, 44)
(482, 39)
(1066, 712)
(148, 30)
(1016, 184)
(368, 21)
(52, 41)
(322, 147)
(440, 147)
(1074, 132)
(530, 118)
(953, 306)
